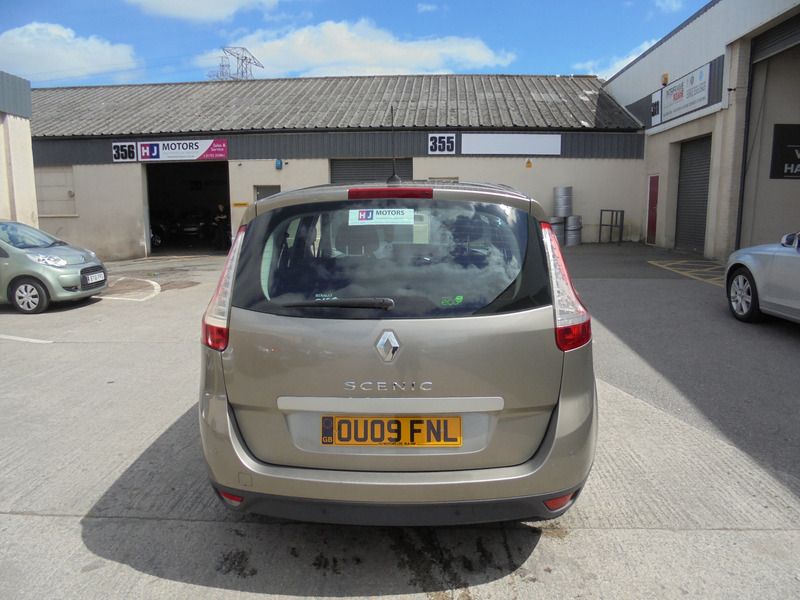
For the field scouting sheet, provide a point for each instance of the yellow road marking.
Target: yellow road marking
(705, 271)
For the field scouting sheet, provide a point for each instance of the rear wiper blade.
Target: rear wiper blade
(382, 303)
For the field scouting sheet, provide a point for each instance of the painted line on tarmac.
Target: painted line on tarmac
(156, 291)
(707, 272)
(14, 338)
(165, 258)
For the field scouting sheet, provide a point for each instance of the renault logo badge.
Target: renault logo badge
(387, 345)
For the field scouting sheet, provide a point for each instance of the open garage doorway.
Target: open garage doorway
(189, 207)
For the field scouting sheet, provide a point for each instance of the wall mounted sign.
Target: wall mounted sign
(124, 152)
(441, 143)
(785, 152)
(183, 150)
(686, 94)
(168, 150)
(519, 144)
(655, 108)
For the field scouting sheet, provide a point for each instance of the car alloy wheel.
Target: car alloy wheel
(30, 297)
(743, 296)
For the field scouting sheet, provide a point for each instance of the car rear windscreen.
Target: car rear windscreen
(392, 258)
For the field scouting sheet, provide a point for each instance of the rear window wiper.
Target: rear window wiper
(381, 303)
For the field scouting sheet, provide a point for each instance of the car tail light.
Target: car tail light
(560, 502)
(389, 192)
(573, 323)
(215, 319)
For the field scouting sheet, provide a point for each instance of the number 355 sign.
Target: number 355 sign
(441, 143)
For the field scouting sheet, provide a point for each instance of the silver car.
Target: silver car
(37, 268)
(410, 354)
(765, 280)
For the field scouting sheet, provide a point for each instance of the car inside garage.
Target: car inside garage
(189, 206)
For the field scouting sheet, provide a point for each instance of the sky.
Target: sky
(102, 42)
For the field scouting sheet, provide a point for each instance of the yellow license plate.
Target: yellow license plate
(391, 431)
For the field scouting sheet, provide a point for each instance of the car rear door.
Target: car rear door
(461, 373)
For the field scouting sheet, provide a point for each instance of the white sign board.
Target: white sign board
(519, 144)
(686, 94)
(381, 216)
(183, 150)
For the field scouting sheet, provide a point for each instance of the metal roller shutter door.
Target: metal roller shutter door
(776, 40)
(369, 169)
(690, 231)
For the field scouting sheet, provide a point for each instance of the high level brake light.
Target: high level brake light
(573, 322)
(389, 192)
(215, 319)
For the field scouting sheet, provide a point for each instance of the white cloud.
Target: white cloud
(669, 6)
(342, 48)
(47, 52)
(201, 10)
(607, 67)
(423, 7)
(305, 15)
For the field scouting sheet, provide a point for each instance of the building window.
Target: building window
(263, 191)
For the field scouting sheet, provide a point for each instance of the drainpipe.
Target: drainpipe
(743, 177)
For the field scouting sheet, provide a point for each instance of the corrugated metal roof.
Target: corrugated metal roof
(420, 101)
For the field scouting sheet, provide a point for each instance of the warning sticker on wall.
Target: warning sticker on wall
(381, 216)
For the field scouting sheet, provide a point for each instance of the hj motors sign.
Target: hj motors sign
(169, 150)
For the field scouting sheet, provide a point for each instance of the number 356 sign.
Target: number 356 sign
(123, 152)
(441, 143)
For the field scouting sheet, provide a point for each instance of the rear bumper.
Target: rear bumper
(413, 514)
(560, 466)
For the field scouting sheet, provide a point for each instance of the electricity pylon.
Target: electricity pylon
(244, 64)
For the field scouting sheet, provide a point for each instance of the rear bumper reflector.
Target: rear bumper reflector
(231, 499)
(559, 502)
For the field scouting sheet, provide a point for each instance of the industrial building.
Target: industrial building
(719, 99)
(114, 161)
(697, 141)
(17, 188)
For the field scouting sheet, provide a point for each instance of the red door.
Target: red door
(652, 209)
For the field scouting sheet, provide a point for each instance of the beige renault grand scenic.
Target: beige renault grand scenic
(409, 354)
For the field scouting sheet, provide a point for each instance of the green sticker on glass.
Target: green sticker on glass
(452, 300)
